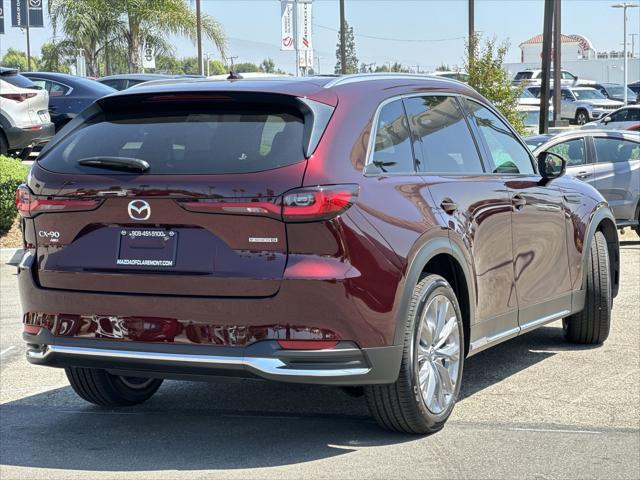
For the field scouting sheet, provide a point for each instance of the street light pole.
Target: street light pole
(624, 7)
(199, 37)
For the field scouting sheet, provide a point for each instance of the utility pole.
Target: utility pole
(546, 63)
(472, 30)
(343, 47)
(633, 44)
(295, 36)
(624, 7)
(557, 62)
(28, 38)
(199, 37)
(319, 58)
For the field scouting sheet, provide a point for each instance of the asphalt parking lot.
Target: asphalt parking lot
(533, 407)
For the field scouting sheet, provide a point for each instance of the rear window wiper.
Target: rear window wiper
(116, 163)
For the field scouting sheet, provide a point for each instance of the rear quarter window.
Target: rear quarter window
(205, 139)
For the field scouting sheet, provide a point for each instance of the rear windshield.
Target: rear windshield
(523, 76)
(203, 140)
(18, 81)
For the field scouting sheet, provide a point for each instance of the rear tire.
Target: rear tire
(101, 388)
(591, 326)
(423, 397)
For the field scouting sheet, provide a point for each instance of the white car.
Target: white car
(533, 76)
(24, 114)
(625, 118)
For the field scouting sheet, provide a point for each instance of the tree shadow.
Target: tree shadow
(230, 424)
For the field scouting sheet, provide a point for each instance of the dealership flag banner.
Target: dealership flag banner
(304, 25)
(286, 38)
(148, 56)
(1, 17)
(19, 13)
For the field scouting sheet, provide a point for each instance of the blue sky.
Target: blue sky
(252, 27)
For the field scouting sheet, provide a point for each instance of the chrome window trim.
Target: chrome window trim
(365, 77)
(54, 81)
(374, 129)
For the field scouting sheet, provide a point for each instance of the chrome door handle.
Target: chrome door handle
(518, 202)
(582, 175)
(448, 205)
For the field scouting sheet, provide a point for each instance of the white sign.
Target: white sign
(286, 38)
(305, 58)
(304, 26)
(148, 57)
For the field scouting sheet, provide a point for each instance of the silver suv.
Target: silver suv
(24, 114)
(582, 104)
(608, 160)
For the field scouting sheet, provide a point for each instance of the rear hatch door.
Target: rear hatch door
(204, 217)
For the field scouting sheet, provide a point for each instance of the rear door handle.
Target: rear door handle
(518, 202)
(582, 175)
(448, 205)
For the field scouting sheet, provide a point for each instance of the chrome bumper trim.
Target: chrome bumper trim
(269, 366)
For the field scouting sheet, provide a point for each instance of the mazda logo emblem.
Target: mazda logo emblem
(139, 210)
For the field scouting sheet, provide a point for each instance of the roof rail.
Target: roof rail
(365, 77)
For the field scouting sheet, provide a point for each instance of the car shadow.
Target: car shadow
(228, 425)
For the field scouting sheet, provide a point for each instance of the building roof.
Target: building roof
(538, 39)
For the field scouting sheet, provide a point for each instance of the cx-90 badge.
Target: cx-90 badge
(139, 210)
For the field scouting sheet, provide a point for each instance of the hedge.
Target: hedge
(12, 174)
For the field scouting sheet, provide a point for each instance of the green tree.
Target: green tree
(15, 58)
(489, 79)
(216, 67)
(246, 67)
(268, 66)
(56, 57)
(443, 67)
(350, 50)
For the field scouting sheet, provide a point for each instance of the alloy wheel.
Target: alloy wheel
(438, 351)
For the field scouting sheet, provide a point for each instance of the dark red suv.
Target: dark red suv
(367, 230)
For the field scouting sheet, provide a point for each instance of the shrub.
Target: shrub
(12, 174)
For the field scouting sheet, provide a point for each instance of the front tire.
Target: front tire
(423, 397)
(101, 388)
(591, 326)
(582, 117)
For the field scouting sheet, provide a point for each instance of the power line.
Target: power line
(414, 40)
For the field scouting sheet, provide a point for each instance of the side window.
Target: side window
(443, 135)
(566, 95)
(573, 151)
(620, 115)
(615, 150)
(392, 152)
(567, 76)
(57, 89)
(112, 83)
(40, 83)
(508, 154)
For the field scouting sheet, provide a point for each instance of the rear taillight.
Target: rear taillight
(307, 344)
(634, 128)
(29, 205)
(317, 203)
(18, 97)
(308, 204)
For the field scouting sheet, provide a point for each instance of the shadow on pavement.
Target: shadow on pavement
(229, 425)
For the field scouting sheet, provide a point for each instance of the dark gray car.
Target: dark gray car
(608, 160)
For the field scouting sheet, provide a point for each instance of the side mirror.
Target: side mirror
(606, 120)
(551, 165)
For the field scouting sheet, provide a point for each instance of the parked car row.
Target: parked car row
(608, 160)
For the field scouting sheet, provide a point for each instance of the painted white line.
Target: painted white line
(6, 350)
(554, 430)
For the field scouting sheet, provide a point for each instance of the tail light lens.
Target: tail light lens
(317, 203)
(307, 344)
(634, 128)
(29, 205)
(18, 97)
(307, 204)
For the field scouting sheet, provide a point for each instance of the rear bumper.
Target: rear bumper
(19, 138)
(346, 364)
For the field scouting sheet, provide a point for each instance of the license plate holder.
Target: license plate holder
(147, 248)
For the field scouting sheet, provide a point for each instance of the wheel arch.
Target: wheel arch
(438, 255)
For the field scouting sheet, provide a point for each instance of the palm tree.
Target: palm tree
(100, 27)
(146, 21)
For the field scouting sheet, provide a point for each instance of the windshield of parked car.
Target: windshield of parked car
(527, 94)
(588, 94)
(523, 76)
(618, 91)
(18, 81)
